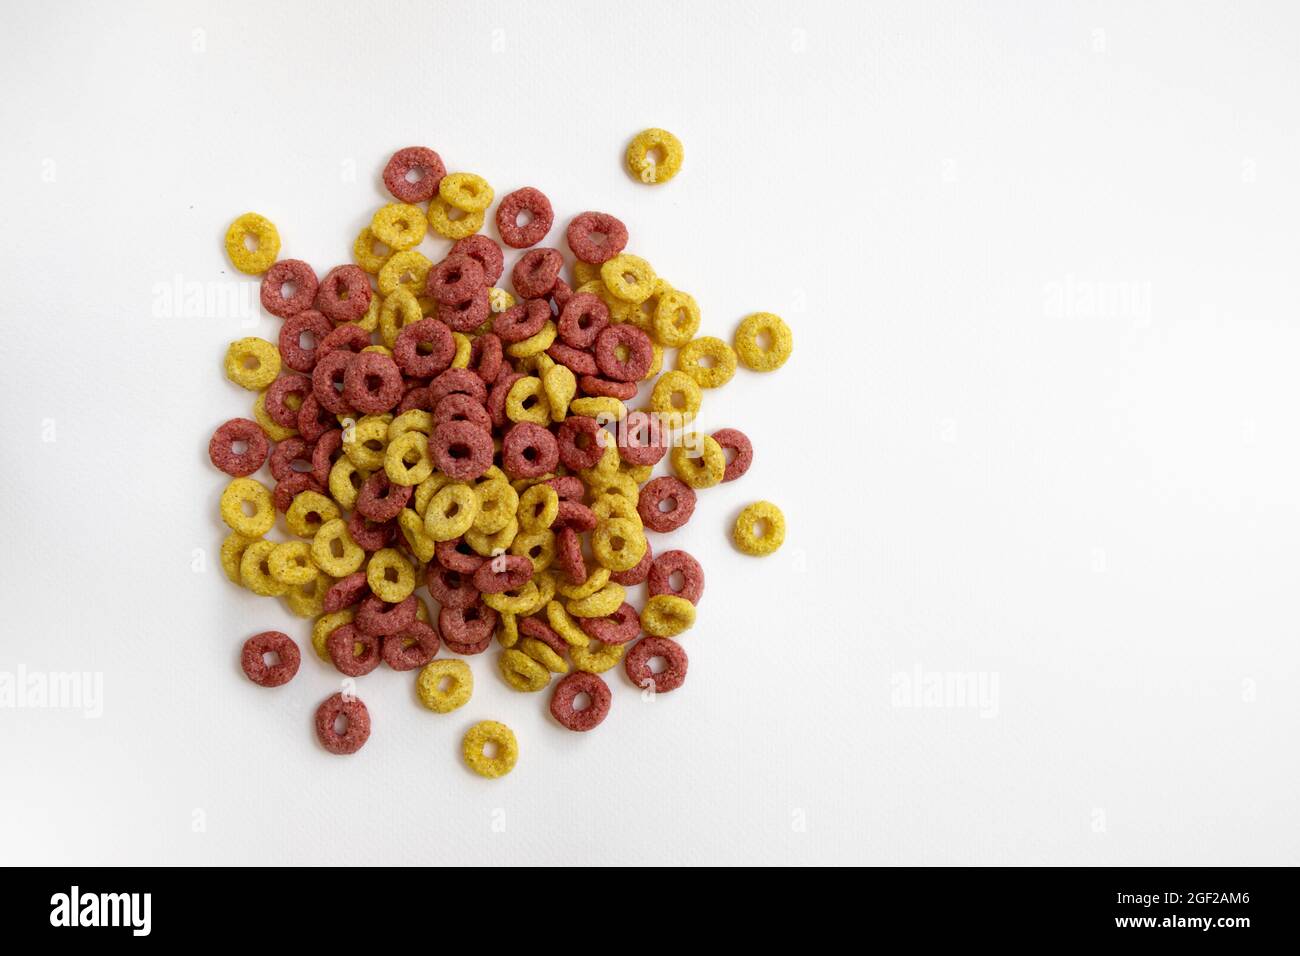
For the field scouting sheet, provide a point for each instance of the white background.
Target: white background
(1039, 426)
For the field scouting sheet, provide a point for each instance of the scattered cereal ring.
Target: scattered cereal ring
(444, 686)
(346, 592)
(252, 658)
(521, 672)
(654, 156)
(357, 731)
(290, 563)
(325, 625)
(623, 353)
(252, 363)
(763, 342)
(265, 237)
(455, 279)
(596, 658)
(452, 223)
(428, 170)
(353, 653)
(490, 732)
(400, 226)
(308, 322)
(601, 603)
(676, 318)
(286, 273)
(638, 574)
(535, 204)
(619, 543)
(236, 432)
(451, 512)
(246, 507)
(621, 627)
(722, 361)
(665, 504)
(759, 529)
(407, 270)
(466, 191)
(564, 698)
(637, 664)
(461, 449)
(412, 647)
(676, 394)
(367, 252)
(595, 237)
(672, 563)
(344, 294)
(739, 444)
(628, 278)
(699, 461)
(488, 255)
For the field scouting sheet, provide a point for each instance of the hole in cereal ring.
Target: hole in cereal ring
(523, 218)
(657, 665)
(490, 750)
(656, 155)
(238, 447)
(616, 543)
(336, 547)
(251, 361)
(582, 701)
(414, 174)
(341, 724)
(445, 684)
(763, 340)
(677, 580)
(678, 399)
(761, 528)
(668, 504)
(390, 575)
(248, 508)
(250, 242)
(271, 659)
(288, 289)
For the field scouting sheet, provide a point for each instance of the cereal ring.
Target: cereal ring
(583, 318)
(252, 658)
(568, 487)
(354, 654)
(457, 381)
(763, 342)
(248, 492)
(637, 574)
(497, 502)
(468, 315)
(565, 626)
(536, 272)
(344, 294)
(667, 615)
(699, 461)
(461, 449)
(486, 252)
(546, 653)
(654, 156)
(233, 547)
(601, 603)
(452, 223)
(576, 360)
(759, 529)
(607, 388)
(283, 399)
(407, 460)
(232, 434)
(482, 734)
(453, 589)
(595, 237)
(288, 273)
(541, 216)
(522, 321)
(371, 535)
(372, 383)
(677, 563)
(574, 515)
(325, 625)
(565, 696)
(287, 453)
(378, 617)
(466, 192)
(368, 252)
(364, 442)
(581, 442)
(358, 724)
(529, 451)
(628, 278)
(404, 270)
(618, 543)
(424, 349)
(676, 394)
(413, 647)
(349, 338)
(307, 323)
(459, 407)
(523, 673)
(717, 353)
(338, 561)
(623, 353)
(637, 664)
(381, 499)
(621, 627)
(527, 402)
(390, 576)
(676, 319)
(667, 491)
(455, 279)
(505, 572)
(538, 507)
(457, 678)
(255, 570)
(327, 381)
(428, 170)
(346, 592)
(266, 243)
(467, 630)
(596, 658)
(252, 363)
(640, 439)
(739, 444)
(451, 512)
(290, 563)
(400, 226)
(486, 357)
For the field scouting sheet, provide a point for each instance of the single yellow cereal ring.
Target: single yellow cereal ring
(544, 655)
(628, 278)
(497, 503)
(414, 420)
(265, 237)
(464, 347)
(596, 579)
(255, 570)
(326, 625)
(451, 511)
(490, 732)
(499, 300)
(406, 460)
(527, 402)
(676, 393)
(366, 442)
(667, 615)
(654, 156)
(763, 342)
(603, 484)
(519, 602)
(399, 225)
(759, 529)
(364, 253)
(466, 191)
(536, 343)
(618, 544)
(600, 407)
(537, 546)
(522, 672)
(560, 385)
(290, 563)
(584, 272)
(404, 270)
(334, 551)
(390, 576)
(445, 685)
(539, 506)
(232, 550)
(247, 507)
(596, 658)
(563, 625)
(274, 430)
(308, 599)
(676, 319)
(601, 604)
(252, 363)
(708, 360)
(441, 221)
(345, 482)
(412, 527)
(400, 308)
(489, 544)
(507, 629)
(698, 460)
(370, 321)
(426, 489)
(308, 511)
(614, 506)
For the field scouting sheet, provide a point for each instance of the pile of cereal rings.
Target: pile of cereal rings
(425, 427)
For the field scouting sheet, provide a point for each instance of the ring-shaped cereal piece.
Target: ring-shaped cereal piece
(353, 653)
(462, 226)
(521, 321)
(284, 273)
(466, 191)
(459, 407)
(450, 588)
(400, 226)
(526, 401)
(647, 168)
(595, 237)
(407, 461)
(670, 491)
(538, 507)
(467, 316)
(418, 159)
(621, 627)
(740, 444)
(541, 217)
(676, 394)
(407, 270)
(327, 381)
(536, 273)
(607, 388)
(535, 344)
(255, 570)
(601, 603)
(637, 664)
(581, 442)
(221, 448)
(424, 349)
(461, 449)
(381, 499)
(667, 615)
(487, 253)
(349, 557)
(575, 360)
(505, 572)
(369, 253)
(252, 658)
(457, 381)
(623, 353)
(546, 654)
(248, 491)
(357, 717)
(451, 512)
(522, 673)
(529, 451)
(560, 385)
(497, 502)
(344, 294)
(293, 353)
(676, 318)
(455, 279)
(537, 546)
(440, 699)
(502, 737)
(372, 383)
(252, 363)
(699, 461)
(759, 529)
(596, 657)
(564, 625)
(378, 617)
(717, 352)
(233, 547)
(763, 342)
(674, 562)
(264, 234)
(371, 535)
(365, 443)
(566, 694)
(618, 544)
(414, 646)
(638, 574)
(346, 592)
(641, 440)
(308, 599)
(583, 318)
(628, 278)
(467, 630)
(390, 576)
(325, 625)
(290, 563)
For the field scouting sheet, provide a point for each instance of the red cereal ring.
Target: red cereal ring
(568, 487)
(575, 360)
(358, 724)
(252, 658)
(535, 273)
(596, 237)
(559, 297)
(486, 357)
(459, 407)
(327, 450)
(529, 451)
(411, 647)
(468, 315)
(565, 696)
(295, 355)
(424, 349)
(477, 647)
(582, 318)
(582, 442)
(677, 562)
(625, 337)
(239, 431)
(457, 381)
(344, 294)
(277, 393)
(641, 440)
(314, 419)
(288, 272)
(526, 200)
(346, 592)
(342, 647)
(521, 321)
(418, 159)
(637, 574)
(496, 400)
(327, 381)
(286, 454)
(416, 397)
(456, 555)
(377, 617)
(461, 450)
(637, 664)
(345, 338)
(621, 627)
(371, 535)
(568, 554)
(665, 490)
(606, 388)
(486, 251)
(381, 500)
(538, 629)
(467, 626)
(455, 279)
(373, 383)
(743, 451)
(291, 487)
(453, 589)
(504, 572)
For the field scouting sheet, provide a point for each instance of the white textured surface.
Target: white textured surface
(984, 469)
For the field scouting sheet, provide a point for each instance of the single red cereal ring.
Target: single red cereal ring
(568, 555)
(314, 419)
(582, 318)
(379, 618)
(467, 626)
(459, 407)
(521, 321)
(416, 397)
(665, 490)
(381, 500)
(575, 360)
(568, 487)
(342, 647)
(457, 381)
(535, 273)
(288, 272)
(486, 251)
(596, 237)
(239, 431)
(467, 650)
(287, 453)
(606, 388)
(344, 294)
(291, 487)
(358, 724)
(418, 159)
(637, 574)
(566, 693)
(574, 514)
(450, 588)
(461, 450)
(253, 658)
(621, 627)
(637, 664)
(345, 338)
(455, 279)
(456, 555)
(612, 341)
(677, 562)
(424, 349)
(276, 394)
(526, 200)
(581, 442)
(641, 440)
(529, 451)
(373, 383)
(538, 629)
(486, 357)
(743, 450)
(295, 355)
(468, 315)
(327, 381)
(371, 535)
(410, 648)
(327, 450)
(346, 592)
(504, 572)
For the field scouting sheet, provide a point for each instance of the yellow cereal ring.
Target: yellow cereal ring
(507, 629)
(596, 580)
(274, 431)
(759, 529)
(308, 511)
(676, 319)
(232, 550)
(252, 363)
(365, 254)
(290, 563)
(390, 576)
(618, 544)
(560, 385)
(365, 443)
(441, 221)
(721, 361)
(601, 604)
(248, 492)
(265, 236)
(400, 226)
(584, 272)
(613, 506)
(519, 601)
(526, 402)
(763, 342)
(499, 300)
(426, 489)
(699, 461)
(654, 156)
(345, 482)
(414, 420)
(334, 551)
(494, 543)
(326, 625)
(667, 615)
(400, 309)
(638, 473)
(407, 461)
(544, 655)
(404, 270)
(604, 484)
(497, 503)
(308, 599)
(539, 506)
(450, 512)
(537, 546)
(563, 625)
(628, 278)
(538, 342)
(466, 191)
(464, 350)
(370, 321)
(490, 732)
(600, 407)
(522, 672)
(255, 571)
(656, 362)
(412, 525)
(445, 685)
(596, 658)
(676, 393)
